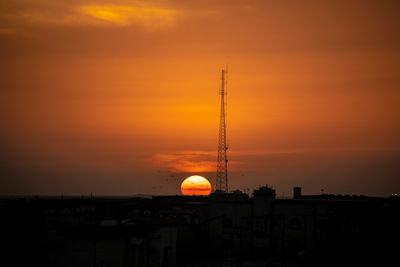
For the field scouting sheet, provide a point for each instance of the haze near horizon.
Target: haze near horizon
(121, 97)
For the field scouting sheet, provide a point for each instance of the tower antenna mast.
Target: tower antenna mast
(222, 164)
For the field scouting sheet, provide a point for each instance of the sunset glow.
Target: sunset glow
(196, 185)
(117, 96)
(125, 15)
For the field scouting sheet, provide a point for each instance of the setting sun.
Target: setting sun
(196, 185)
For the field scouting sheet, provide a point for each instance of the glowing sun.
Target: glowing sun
(196, 185)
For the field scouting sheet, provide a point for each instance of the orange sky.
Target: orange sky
(121, 97)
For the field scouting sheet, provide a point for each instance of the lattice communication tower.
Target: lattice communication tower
(222, 164)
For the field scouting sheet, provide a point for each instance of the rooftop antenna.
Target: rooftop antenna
(222, 164)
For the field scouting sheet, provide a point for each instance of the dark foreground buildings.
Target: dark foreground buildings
(219, 230)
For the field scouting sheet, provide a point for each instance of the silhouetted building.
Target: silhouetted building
(296, 192)
(223, 229)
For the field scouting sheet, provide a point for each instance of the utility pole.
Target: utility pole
(222, 164)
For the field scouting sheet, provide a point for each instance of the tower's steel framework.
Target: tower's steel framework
(222, 164)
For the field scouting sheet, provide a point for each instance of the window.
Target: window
(295, 224)
(226, 222)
